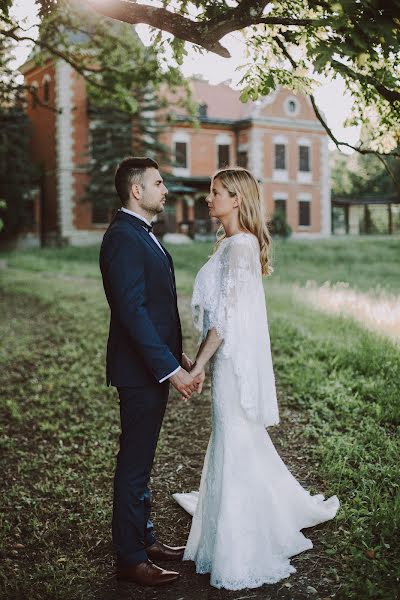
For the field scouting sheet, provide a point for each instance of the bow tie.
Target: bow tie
(146, 226)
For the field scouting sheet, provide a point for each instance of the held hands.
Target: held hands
(189, 379)
(184, 383)
(199, 375)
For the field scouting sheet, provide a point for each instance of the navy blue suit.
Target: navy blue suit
(144, 346)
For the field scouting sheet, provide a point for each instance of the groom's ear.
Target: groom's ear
(136, 191)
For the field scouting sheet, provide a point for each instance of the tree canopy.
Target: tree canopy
(72, 31)
(123, 78)
(288, 44)
(358, 176)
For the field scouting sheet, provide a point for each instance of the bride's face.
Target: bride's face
(219, 202)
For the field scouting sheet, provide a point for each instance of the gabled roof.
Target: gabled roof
(223, 102)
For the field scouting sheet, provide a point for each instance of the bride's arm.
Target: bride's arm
(207, 348)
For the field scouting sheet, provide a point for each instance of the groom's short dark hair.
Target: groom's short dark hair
(129, 171)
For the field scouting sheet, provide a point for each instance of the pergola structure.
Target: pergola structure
(365, 201)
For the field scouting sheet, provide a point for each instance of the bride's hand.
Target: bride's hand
(199, 375)
(186, 362)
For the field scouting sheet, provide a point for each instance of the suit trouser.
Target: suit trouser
(142, 411)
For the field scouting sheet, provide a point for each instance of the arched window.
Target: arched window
(292, 106)
(46, 92)
(46, 89)
(203, 110)
(34, 90)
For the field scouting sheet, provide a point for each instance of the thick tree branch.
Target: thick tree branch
(203, 33)
(293, 21)
(208, 33)
(337, 143)
(389, 172)
(320, 118)
(389, 95)
(249, 12)
(160, 18)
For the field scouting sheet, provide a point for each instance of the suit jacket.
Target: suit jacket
(145, 337)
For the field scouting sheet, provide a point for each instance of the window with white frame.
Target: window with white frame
(181, 153)
(181, 160)
(280, 157)
(304, 166)
(223, 143)
(280, 206)
(280, 202)
(242, 155)
(304, 159)
(223, 155)
(304, 202)
(242, 158)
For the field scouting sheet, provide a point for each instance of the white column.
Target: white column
(64, 142)
(256, 153)
(325, 187)
(256, 159)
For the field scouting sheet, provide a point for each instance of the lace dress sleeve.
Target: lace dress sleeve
(237, 311)
(240, 274)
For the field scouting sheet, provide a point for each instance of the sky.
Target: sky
(331, 96)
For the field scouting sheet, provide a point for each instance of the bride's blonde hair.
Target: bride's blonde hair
(241, 183)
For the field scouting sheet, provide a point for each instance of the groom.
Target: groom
(144, 355)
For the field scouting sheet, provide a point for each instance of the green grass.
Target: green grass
(59, 422)
(346, 381)
(70, 261)
(366, 263)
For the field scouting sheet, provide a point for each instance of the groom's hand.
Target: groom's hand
(183, 382)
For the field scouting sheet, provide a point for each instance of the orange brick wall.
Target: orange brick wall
(293, 187)
(43, 141)
(203, 156)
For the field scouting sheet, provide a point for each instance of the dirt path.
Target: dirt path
(178, 465)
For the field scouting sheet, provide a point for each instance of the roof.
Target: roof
(224, 106)
(223, 102)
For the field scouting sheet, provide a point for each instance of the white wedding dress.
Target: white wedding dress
(249, 510)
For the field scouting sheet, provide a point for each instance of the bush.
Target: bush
(279, 226)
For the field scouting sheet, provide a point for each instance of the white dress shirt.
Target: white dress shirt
(151, 234)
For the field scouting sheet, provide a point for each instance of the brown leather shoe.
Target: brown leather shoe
(160, 551)
(146, 573)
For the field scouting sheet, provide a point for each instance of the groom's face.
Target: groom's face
(153, 193)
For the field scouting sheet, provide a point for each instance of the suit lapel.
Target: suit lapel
(166, 259)
(171, 264)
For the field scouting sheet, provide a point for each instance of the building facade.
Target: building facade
(278, 138)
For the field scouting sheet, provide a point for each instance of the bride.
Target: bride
(249, 510)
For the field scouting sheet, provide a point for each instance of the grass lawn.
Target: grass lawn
(59, 424)
(367, 262)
